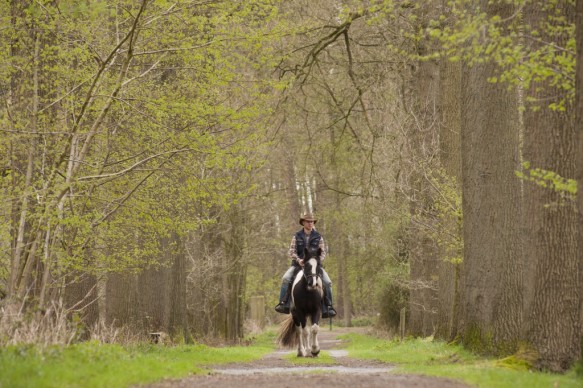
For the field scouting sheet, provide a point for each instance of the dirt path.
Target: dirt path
(275, 371)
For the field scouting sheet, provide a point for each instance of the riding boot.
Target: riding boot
(327, 309)
(283, 305)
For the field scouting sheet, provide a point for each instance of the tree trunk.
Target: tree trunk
(155, 290)
(490, 314)
(233, 275)
(552, 306)
(122, 300)
(450, 160)
(579, 159)
(81, 298)
(337, 239)
(21, 91)
(178, 313)
(424, 253)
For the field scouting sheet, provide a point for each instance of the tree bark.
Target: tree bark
(122, 300)
(81, 299)
(490, 308)
(155, 286)
(424, 253)
(337, 242)
(579, 159)
(178, 323)
(552, 306)
(233, 275)
(450, 160)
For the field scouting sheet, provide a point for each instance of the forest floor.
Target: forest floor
(277, 370)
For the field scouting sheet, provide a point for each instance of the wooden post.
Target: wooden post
(402, 323)
(257, 307)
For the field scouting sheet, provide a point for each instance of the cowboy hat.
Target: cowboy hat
(307, 217)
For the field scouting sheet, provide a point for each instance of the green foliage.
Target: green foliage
(565, 187)
(436, 358)
(448, 216)
(363, 321)
(161, 128)
(393, 297)
(529, 53)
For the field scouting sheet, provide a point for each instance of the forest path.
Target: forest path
(275, 370)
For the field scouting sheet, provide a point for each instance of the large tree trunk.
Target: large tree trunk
(233, 275)
(24, 98)
(336, 236)
(490, 308)
(424, 253)
(579, 160)
(552, 274)
(123, 301)
(450, 158)
(341, 254)
(178, 323)
(155, 291)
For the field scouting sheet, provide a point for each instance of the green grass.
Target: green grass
(435, 358)
(92, 364)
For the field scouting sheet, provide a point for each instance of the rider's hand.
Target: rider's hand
(301, 262)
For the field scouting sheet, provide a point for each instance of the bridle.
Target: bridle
(309, 276)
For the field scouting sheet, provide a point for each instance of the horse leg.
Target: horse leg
(301, 339)
(306, 338)
(315, 346)
(301, 345)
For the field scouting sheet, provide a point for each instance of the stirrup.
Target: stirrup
(282, 308)
(329, 313)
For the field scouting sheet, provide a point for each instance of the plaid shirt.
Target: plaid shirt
(294, 256)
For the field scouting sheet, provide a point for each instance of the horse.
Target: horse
(307, 294)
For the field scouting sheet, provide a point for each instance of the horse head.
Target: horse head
(312, 267)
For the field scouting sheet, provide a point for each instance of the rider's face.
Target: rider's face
(308, 225)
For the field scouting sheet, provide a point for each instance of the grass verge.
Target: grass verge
(93, 364)
(436, 358)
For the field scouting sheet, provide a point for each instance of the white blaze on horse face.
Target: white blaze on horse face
(313, 271)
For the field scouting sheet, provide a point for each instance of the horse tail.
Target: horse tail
(287, 333)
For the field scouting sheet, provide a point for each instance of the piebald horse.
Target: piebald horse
(306, 302)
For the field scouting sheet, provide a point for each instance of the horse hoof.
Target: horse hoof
(315, 353)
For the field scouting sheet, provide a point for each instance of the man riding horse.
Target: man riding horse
(307, 237)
